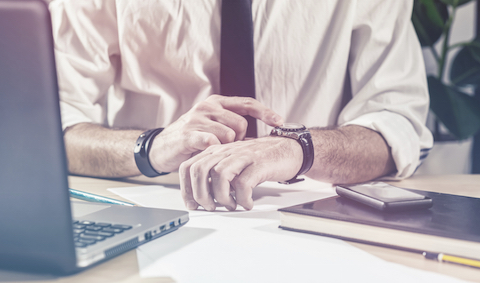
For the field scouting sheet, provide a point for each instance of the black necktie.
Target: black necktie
(237, 74)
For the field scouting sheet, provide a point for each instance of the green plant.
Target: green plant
(458, 111)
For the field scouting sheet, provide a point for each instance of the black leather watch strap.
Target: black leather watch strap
(142, 150)
(301, 134)
(307, 146)
(305, 141)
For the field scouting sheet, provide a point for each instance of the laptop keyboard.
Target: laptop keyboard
(87, 233)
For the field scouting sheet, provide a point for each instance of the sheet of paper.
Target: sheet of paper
(248, 246)
(260, 255)
(267, 197)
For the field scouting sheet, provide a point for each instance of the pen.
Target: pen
(96, 198)
(453, 259)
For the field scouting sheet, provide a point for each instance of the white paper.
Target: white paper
(251, 255)
(248, 246)
(267, 197)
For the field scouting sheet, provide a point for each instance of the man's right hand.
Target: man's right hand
(217, 120)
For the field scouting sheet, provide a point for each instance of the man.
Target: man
(350, 71)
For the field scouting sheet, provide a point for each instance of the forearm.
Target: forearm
(350, 154)
(94, 150)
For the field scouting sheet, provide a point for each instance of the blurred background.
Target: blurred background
(448, 28)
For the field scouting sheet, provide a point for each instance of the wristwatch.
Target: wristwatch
(299, 133)
(142, 150)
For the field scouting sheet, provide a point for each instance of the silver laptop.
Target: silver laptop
(37, 230)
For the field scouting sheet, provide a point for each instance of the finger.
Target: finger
(244, 184)
(209, 116)
(249, 106)
(224, 126)
(201, 185)
(233, 121)
(186, 187)
(224, 174)
(197, 171)
(200, 140)
(221, 176)
(185, 176)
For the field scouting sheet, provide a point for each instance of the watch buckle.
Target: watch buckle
(292, 181)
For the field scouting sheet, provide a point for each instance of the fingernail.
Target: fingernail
(191, 205)
(277, 119)
(209, 208)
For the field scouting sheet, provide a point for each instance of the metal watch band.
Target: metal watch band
(142, 150)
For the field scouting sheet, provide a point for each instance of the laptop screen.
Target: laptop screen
(34, 200)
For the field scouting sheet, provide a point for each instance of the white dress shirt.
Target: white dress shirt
(144, 63)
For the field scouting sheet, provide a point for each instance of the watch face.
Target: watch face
(292, 127)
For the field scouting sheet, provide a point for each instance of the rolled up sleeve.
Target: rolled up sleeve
(86, 51)
(388, 82)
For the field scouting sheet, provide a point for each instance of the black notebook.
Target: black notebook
(451, 226)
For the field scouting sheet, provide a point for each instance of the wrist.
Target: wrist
(157, 155)
(295, 153)
(302, 136)
(142, 150)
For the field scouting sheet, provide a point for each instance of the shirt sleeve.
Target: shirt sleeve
(388, 82)
(86, 52)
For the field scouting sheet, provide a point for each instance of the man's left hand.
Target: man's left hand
(210, 178)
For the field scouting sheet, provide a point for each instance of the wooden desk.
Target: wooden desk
(124, 268)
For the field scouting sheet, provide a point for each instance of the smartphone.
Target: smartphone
(384, 197)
